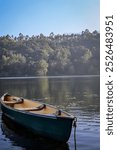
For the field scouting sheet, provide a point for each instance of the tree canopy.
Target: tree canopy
(67, 54)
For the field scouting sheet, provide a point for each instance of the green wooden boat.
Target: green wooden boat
(40, 118)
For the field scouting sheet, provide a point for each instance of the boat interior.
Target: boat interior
(32, 106)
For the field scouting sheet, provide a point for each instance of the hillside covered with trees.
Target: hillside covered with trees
(67, 54)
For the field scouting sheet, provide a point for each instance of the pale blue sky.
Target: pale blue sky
(32, 17)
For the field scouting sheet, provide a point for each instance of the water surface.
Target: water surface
(77, 95)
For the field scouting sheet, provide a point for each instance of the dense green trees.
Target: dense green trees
(67, 54)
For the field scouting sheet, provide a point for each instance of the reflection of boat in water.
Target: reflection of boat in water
(40, 118)
(21, 137)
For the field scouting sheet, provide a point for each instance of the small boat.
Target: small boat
(40, 118)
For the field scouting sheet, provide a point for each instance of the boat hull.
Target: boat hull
(55, 127)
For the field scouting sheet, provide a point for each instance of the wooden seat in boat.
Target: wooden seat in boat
(40, 107)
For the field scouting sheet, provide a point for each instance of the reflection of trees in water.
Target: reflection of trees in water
(43, 87)
(58, 90)
(87, 93)
(75, 92)
(14, 87)
(63, 92)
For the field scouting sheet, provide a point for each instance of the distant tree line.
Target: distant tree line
(67, 54)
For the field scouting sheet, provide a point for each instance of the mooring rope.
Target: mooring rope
(75, 125)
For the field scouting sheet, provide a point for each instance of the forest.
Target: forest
(52, 55)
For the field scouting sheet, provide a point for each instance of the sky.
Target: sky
(32, 17)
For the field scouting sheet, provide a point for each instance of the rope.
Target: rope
(75, 125)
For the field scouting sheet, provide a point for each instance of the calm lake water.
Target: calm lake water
(78, 95)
